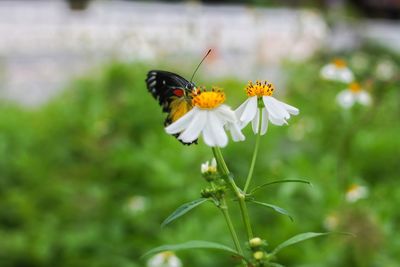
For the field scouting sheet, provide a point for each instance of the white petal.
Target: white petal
(235, 131)
(204, 167)
(292, 110)
(264, 121)
(345, 75)
(174, 261)
(255, 122)
(217, 130)
(213, 163)
(364, 98)
(239, 111)
(250, 110)
(208, 136)
(155, 261)
(195, 127)
(226, 113)
(182, 123)
(345, 98)
(328, 71)
(276, 121)
(275, 107)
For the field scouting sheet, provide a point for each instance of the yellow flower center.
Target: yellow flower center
(353, 188)
(259, 89)
(167, 254)
(355, 87)
(208, 99)
(339, 63)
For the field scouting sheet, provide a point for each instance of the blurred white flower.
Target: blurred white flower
(273, 110)
(206, 167)
(385, 70)
(356, 192)
(164, 259)
(136, 204)
(353, 94)
(337, 71)
(209, 117)
(331, 222)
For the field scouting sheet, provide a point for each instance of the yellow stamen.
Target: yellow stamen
(353, 188)
(355, 87)
(339, 63)
(168, 253)
(208, 99)
(260, 89)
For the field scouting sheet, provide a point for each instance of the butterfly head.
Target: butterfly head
(190, 86)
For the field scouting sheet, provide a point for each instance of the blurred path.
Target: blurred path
(43, 43)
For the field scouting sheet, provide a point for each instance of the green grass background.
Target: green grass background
(69, 169)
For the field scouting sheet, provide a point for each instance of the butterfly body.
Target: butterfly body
(173, 92)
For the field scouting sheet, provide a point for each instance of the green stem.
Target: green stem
(224, 209)
(255, 153)
(239, 194)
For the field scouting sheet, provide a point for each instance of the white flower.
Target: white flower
(209, 118)
(207, 168)
(356, 192)
(331, 222)
(273, 110)
(354, 94)
(136, 204)
(337, 71)
(164, 259)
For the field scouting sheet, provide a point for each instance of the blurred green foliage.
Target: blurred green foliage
(87, 179)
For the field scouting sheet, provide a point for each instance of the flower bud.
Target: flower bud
(259, 255)
(207, 168)
(209, 171)
(255, 242)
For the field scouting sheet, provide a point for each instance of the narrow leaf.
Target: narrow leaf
(276, 208)
(182, 210)
(296, 239)
(278, 182)
(194, 244)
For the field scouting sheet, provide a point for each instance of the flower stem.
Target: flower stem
(224, 209)
(239, 194)
(255, 153)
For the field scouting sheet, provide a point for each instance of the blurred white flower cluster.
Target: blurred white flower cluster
(338, 70)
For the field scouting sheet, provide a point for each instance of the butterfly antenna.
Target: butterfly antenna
(198, 66)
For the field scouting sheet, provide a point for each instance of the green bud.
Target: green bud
(255, 242)
(258, 255)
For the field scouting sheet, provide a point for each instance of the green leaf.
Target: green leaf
(276, 208)
(278, 182)
(296, 239)
(193, 245)
(183, 210)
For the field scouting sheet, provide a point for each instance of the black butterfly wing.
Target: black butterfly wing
(161, 84)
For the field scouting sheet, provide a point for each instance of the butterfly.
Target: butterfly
(173, 92)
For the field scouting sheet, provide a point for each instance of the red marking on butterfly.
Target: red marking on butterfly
(178, 92)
